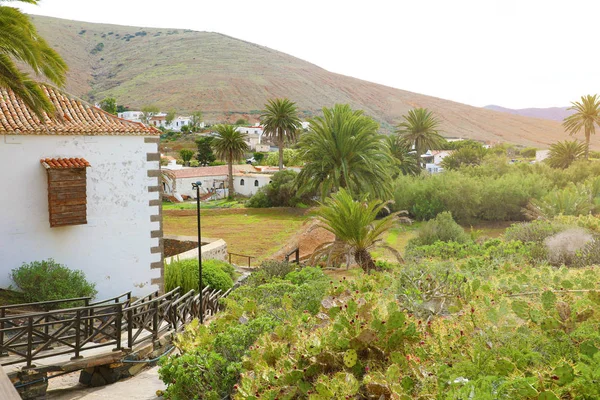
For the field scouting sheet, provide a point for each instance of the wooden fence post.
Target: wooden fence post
(77, 335)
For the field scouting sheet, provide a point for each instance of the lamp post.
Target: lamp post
(197, 187)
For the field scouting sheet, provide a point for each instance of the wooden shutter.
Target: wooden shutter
(67, 201)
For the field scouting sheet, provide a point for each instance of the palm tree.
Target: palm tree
(355, 226)
(230, 145)
(420, 129)
(586, 117)
(342, 149)
(280, 120)
(404, 159)
(20, 42)
(563, 154)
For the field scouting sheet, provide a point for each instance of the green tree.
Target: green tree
(195, 121)
(280, 120)
(229, 145)
(343, 149)
(464, 156)
(170, 117)
(355, 226)
(147, 113)
(205, 151)
(109, 105)
(420, 129)
(404, 160)
(241, 121)
(563, 154)
(21, 43)
(186, 155)
(586, 117)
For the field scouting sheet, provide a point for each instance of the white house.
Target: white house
(436, 156)
(253, 135)
(83, 189)
(135, 116)
(248, 184)
(214, 181)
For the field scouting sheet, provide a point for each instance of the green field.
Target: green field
(249, 231)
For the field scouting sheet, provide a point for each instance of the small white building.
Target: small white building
(134, 116)
(436, 156)
(82, 189)
(253, 135)
(213, 180)
(248, 184)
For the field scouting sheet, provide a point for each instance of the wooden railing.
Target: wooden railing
(241, 255)
(115, 322)
(296, 252)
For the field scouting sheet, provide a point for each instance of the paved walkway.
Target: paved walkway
(143, 386)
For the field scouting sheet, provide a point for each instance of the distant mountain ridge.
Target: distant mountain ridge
(550, 113)
(228, 78)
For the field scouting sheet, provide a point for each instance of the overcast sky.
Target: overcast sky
(514, 53)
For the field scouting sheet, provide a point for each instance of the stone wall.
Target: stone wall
(212, 249)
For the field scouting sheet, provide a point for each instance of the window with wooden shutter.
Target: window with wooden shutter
(67, 201)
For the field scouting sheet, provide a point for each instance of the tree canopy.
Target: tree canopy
(280, 120)
(586, 118)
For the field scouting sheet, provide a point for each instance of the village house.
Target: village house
(83, 188)
(213, 180)
(253, 136)
(433, 160)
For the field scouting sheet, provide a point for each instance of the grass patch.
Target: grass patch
(254, 232)
(191, 205)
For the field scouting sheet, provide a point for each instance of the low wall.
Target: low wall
(212, 249)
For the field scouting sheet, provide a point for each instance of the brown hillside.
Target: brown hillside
(226, 77)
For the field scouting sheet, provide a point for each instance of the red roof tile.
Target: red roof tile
(72, 117)
(61, 163)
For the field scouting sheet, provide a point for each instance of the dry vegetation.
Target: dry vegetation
(228, 78)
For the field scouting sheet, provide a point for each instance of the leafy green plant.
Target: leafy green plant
(184, 273)
(48, 280)
(442, 228)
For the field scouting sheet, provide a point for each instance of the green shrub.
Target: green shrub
(280, 192)
(290, 157)
(194, 163)
(48, 280)
(536, 231)
(271, 269)
(442, 228)
(184, 273)
(528, 152)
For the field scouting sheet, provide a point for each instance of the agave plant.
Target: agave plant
(356, 228)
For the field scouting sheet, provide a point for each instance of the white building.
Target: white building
(83, 190)
(135, 116)
(253, 135)
(248, 184)
(214, 181)
(541, 155)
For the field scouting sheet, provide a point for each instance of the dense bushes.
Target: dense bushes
(212, 355)
(281, 192)
(290, 157)
(48, 280)
(184, 273)
(442, 228)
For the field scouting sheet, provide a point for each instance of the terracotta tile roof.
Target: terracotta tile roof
(219, 170)
(73, 117)
(61, 163)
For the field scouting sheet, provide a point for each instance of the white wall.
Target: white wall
(249, 188)
(113, 249)
(184, 185)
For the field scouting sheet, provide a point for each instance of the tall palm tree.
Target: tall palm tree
(280, 120)
(586, 117)
(355, 226)
(342, 149)
(563, 154)
(230, 145)
(420, 129)
(20, 42)
(404, 159)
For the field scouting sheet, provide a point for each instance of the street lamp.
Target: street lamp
(197, 187)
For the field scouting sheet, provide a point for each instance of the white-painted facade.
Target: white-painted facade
(135, 116)
(113, 248)
(248, 184)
